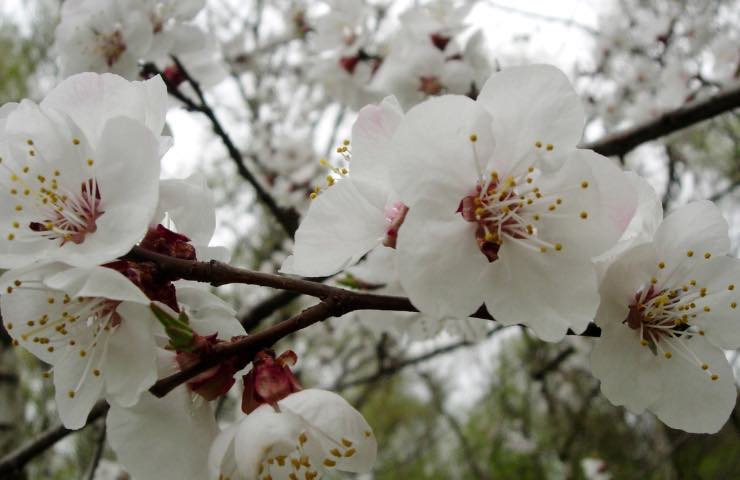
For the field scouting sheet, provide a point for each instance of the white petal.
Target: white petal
(440, 265)
(77, 389)
(190, 206)
(629, 372)
(163, 438)
(208, 314)
(690, 399)
(547, 292)
(340, 425)
(721, 277)
(698, 226)
(131, 362)
(92, 99)
(371, 136)
(340, 227)
(96, 282)
(536, 103)
(436, 155)
(265, 432)
(222, 458)
(641, 227)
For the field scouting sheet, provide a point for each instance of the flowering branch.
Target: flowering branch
(621, 143)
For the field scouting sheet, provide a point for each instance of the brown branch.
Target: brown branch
(620, 143)
(287, 217)
(18, 458)
(217, 274)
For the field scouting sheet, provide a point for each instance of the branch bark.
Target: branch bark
(620, 143)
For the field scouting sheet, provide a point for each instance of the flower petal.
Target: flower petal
(436, 155)
(342, 428)
(440, 265)
(690, 399)
(531, 104)
(340, 227)
(131, 360)
(179, 434)
(698, 227)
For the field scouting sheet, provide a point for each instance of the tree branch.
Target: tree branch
(18, 458)
(621, 143)
(287, 217)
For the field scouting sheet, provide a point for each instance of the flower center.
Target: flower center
(110, 46)
(664, 319)
(430, 85)
(69, 218)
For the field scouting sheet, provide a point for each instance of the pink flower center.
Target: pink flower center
(430, 85)
(496, 211)
(664, 318)
(69, 218)
(394, 215)
(110, 46)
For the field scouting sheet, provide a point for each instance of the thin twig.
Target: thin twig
(98, 453)
(18, 458)
(286, 217)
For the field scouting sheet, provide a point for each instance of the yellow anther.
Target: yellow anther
(346, 443)
(584, 184)
(350, 452)
(335, 452)
(714, 377)
(96, 372)
(473, 137)
(329, 462)
(667, 354)
(345, 142)
(11, 236)
(543, 249)
(313, 196)
(644, 342)
(733, 305)
(690, 253)
(707, 309)
(731, 287)
(661, 265)
(29, 141)
(584, 215)
(71, 394)
(538, 144)
(302, 438)
(707, 255)
(704, 366)
(558, 247)
(549, 147)
(90, 162)
(75, 141)
(18, 208)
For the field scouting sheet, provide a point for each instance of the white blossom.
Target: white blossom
(79, 172)
(315, 433)
(668, 309)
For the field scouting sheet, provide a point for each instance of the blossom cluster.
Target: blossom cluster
(461, 204)
(649, 60)
(423, 55)
(81, 188)
(120, 36)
